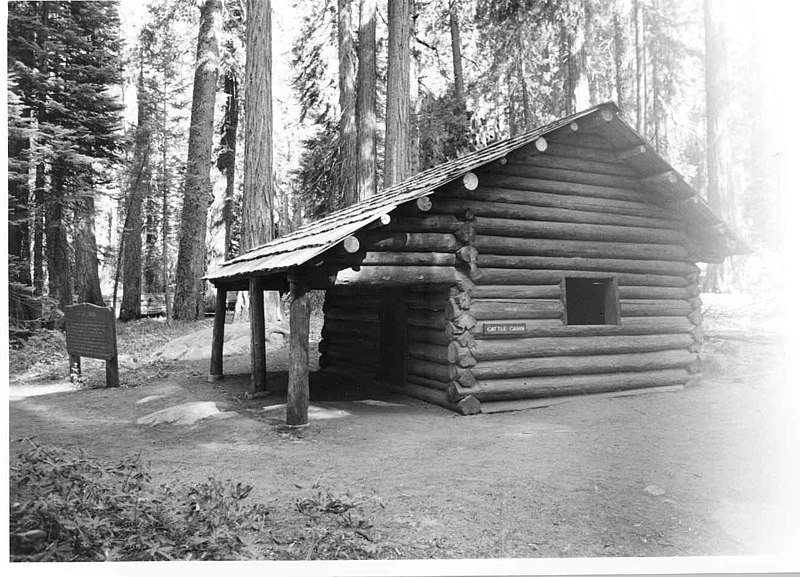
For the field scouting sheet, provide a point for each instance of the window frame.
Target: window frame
(611, 305)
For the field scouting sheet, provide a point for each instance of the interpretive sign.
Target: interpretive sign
(504, 328)
(91, 332)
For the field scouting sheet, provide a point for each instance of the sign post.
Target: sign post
(91, 332)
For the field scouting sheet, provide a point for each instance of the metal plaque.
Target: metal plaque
(504, 328)
(90, 331)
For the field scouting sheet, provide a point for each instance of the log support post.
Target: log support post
(218, 336)
(258, 350)
(297, 395)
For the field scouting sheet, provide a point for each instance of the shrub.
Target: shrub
(45, 348)
(68, 507)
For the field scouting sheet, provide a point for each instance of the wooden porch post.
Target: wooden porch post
(218, 336)
(258, 351)
(297, 396)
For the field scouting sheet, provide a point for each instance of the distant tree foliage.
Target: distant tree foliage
(63, 64)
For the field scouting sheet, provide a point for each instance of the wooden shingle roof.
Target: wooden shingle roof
(315, 238)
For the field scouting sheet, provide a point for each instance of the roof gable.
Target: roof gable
(715, 239)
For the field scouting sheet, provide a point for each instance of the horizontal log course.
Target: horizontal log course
(346, 357)
(517, 309)
(531, 388)
(428, 395)
(397, 275)
(483, 209)
(550, 160)
(351, 314)
(428, 335)
(582, 137)
(498, 245)
(491, 407)
(434, 222)
(427, 319)
(351, 293)
(365, 346)
(496, 276)
(649, 292)
(426, 382)
(380, 258)
(628, 326)
(440, 336)
(581, 176)
(410, 241)
(534, 198)
(575, 152)
(589, 364)
(654, 307)
(490, 350)
(422, 301)
(344, 306)
(571, 231)
(604, 265)
(450, 353)
(340, 329)
(517, 292)
(504, 180)
(444, 372)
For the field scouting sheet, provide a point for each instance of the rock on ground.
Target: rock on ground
(185, 414)
(197, 346)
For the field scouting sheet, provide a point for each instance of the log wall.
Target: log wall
(500, 254)
(571, 211)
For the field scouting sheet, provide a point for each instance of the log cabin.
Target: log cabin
(562, 261)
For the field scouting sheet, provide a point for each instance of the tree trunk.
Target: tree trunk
(365, 101)
(38, 234)
(257, 204)
(59, 262)
(191, 244)
(138, 190)
(348, 132)
(619, 58)
(641, 96)
(153, 279)
(720, 187)
(20, 306)
(455, 43)
(221, 210)
(257, 224)
(87, 278)
(395, 168)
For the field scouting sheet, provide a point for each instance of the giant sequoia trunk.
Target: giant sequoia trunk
(397, 95)
(59, 261)
(87, 278)
(257, 205)
(720, 189)
(258, 194)
(365, 101)
(348, 132)
(192, 235)
(221, 211)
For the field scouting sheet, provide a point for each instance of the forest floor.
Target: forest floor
(702, 471)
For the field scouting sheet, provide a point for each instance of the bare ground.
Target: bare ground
(703, 471)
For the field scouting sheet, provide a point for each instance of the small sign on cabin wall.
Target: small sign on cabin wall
(91, 332)
(504, 328)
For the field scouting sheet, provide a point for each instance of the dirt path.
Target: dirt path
(696, 472)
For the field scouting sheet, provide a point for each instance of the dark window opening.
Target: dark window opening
(591, 301)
